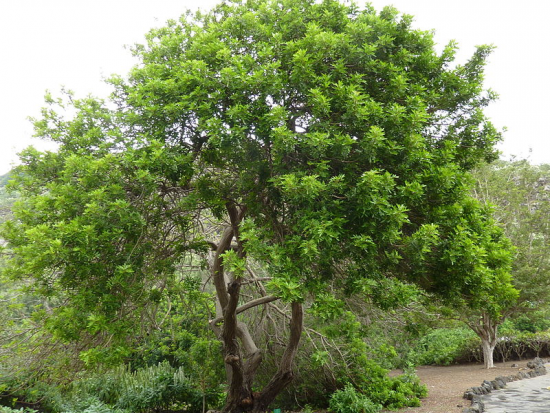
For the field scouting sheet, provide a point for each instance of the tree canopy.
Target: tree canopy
(518, 191)
(328, 144)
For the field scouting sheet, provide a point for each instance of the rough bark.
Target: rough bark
(240, 397)
(241, 368)
(236, 216)
(218, 278)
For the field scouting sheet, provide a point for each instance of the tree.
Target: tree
(518, 191)
(476, 252)
(496, 295)
(328, 144)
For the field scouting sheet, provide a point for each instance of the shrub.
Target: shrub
(392, 392)
(459, 345)
(372, 379)
(444, 346)
(91, 405)
(147, 389)
(348, 400)
(519, 345)
(322, 372)
(120, 390)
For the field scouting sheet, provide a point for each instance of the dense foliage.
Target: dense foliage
(291, 154)
(348, 400)
(519, 193)
(446, 346)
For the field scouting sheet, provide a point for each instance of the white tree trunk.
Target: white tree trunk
(488, 350)
(486, 329)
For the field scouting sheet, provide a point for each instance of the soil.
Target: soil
(447, 384)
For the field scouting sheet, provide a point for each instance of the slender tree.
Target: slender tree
(519, 193)
(474, 251)
(328, 143)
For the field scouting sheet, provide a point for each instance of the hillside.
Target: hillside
(4, 179)
(6, 198)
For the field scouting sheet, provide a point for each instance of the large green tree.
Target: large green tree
(328, 143)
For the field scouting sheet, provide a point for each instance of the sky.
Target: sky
(45, 45)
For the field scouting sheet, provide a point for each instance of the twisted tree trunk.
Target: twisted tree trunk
(241, 355)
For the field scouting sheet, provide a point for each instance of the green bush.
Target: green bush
(348, 400)
(4, 409)
(91, 405)
(514, 345)
(532, 323)
(444, 346)
(372, 379)
(351, 360)
(120, 390)
(390, 392)
(459, 345)
(144, 390)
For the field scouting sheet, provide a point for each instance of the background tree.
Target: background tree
(329, 144)
(475, 247)
(519, 193)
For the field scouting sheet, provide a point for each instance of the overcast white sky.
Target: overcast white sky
(45, 44)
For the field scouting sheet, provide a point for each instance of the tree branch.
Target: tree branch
(232, 354)
(236, 216)
(285, 374)
(250, 304)
(217, 267)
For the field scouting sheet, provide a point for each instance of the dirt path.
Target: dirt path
(447, 384)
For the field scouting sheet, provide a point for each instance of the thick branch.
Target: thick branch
(217, 267)
(250, 304)
(214, 246)
(236, 216)
(231, 348)
(284, 375)
(296, 328)
(253, 355)
(485, 327)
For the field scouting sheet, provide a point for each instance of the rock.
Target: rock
(497, 384)
(540, 370)
(501, 382)
(487, 385)
(476, 407)
(468, 395)
(522, 375)
(537, 362)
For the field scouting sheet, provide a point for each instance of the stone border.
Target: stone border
(475, 393)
